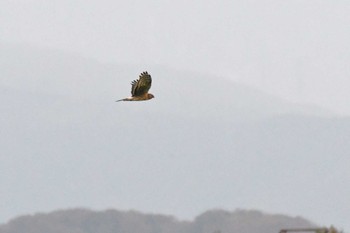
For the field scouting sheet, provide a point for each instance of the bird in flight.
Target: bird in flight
(140, 88)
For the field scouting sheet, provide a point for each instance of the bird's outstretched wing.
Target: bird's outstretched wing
(142, 85)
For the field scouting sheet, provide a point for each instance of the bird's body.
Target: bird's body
(140, 88)
(147, 96)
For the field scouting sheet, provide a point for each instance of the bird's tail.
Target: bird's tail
(126, 99)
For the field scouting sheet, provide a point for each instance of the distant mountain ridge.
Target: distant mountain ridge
(203, 141)
(55, 72)
(114, 221)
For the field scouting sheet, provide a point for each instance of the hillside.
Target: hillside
(111, 221)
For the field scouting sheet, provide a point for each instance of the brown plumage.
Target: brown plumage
(140, 88)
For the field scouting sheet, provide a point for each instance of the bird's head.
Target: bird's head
(150, 96)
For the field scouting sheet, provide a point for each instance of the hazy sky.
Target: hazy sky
(296, 49)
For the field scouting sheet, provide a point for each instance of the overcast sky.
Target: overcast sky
(296, 49)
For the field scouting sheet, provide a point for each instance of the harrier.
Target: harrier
(140, 88)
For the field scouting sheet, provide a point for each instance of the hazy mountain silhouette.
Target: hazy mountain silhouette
(111, 221)
(203, 141)
(192, 94)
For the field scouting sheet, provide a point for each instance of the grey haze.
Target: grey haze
(208, 139)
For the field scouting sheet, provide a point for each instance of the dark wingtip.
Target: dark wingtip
(144, 73)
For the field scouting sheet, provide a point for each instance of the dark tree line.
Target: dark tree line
(113, 221)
